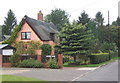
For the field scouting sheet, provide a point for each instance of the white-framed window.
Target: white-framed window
(26, 35)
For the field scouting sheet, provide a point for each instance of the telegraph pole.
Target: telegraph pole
(108, 19)
(119, 9)
(109, 40)
(118, 30)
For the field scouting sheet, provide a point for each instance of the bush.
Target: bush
(99, 58)
(65, 59)
(75, 63)
(31, 63)
(15, 60)
(52, 63)
(113, 54)
(46, 49)
(37, 64)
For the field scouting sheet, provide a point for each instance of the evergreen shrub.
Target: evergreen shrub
(97, 58)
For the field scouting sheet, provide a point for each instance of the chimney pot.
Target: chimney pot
(40, 15)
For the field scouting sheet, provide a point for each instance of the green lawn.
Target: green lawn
(90, 65)
(20, 79)
(116, 58)
(87, 65)
(16, 78)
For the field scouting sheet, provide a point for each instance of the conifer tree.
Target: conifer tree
(9, 23)
(84, 18)
(78, 41)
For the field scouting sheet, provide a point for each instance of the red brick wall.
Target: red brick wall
(38, 52)
(38, 57)
(6, 64)
(0, 60)
(60, 60)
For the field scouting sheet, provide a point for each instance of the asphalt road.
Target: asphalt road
(53, 74)
(106, 73)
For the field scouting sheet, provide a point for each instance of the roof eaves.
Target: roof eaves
(3, 45)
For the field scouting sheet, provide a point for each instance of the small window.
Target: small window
(52, 36)
(25, 35)
(28, 35)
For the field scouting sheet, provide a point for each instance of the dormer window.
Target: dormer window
(52, 36)
(25, 35)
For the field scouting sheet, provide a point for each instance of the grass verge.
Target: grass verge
(16, 78)
(116, 58)
(20, 79)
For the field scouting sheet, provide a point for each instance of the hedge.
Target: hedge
(30, 63)
(97, 58)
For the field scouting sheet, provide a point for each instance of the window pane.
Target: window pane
(28, 35)
(23, 35)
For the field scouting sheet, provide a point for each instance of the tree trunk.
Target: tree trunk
(74, 58)
(85, 61)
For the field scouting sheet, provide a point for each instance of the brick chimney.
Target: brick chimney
(40, 16)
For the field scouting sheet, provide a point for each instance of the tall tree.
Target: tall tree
(117, 22)
(9, 23)
(58, 17)
(83, 18)
(99, 19)
(92, 25)
(77, 41)
(114, 23)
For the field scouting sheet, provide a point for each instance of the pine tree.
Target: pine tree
(84, 18)
(99, 19)
(78, 41)
(9, 23)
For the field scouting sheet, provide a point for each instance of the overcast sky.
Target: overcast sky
(72, 7)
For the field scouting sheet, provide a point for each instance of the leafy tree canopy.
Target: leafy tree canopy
(58, 17)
